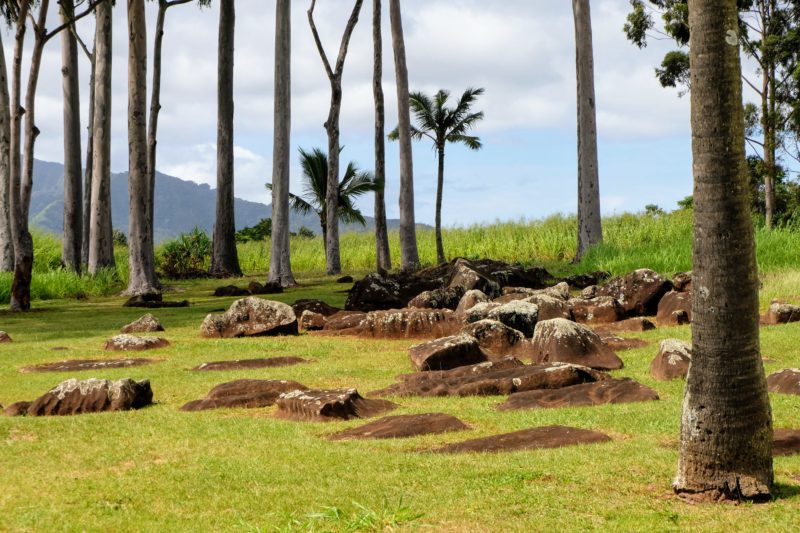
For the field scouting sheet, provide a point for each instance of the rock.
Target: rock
(495, 338)
(781, 313)
(153, 301)
(344, 320)
(598, 310)
(17, 409)
(247, 393)
(270, 287)
(592, 291)
(376, 292)
(146, 324)
(322, 405)
(638, 292)
(345, 279)
(470, 300)
(4, 337)
(231, 290)
(617, 344)
(311, 321)
(249, 364)
(559, 291)
(675, 309)
(637, 324)
(446, 353)
(786, 442)
(129, 343)
(468, 279)
(528, 439)
(551, 307)
(519, 315)
(254, 287)
(582, 281)
(787, 381)
(79, 365)
(251, 317)
(403, 426)
(409, 324)
(561, 340)
(587, 394)
(445, 298)
(501, 377)
(479, 311)
(514, 275)
(316, 306)
(74, 397)
(682, 282)
(672, 361)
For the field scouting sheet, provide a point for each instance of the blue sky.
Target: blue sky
(520, 51)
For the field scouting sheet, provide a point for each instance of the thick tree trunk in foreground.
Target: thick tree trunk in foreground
(383, 256)
(726, 427)
(409, 256)
(101, 244)
(6, 238)
(73, 215)
(590, 230)
(280, 269)
(141, 262)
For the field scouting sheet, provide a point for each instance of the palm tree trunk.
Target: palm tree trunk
(224, 258)
(87, 179)
(589, 224)
(73, 215)
(726, 427)
(439, 189)
(101, 244)
(280, 268)
(382, 254)
(6, 238)
(409, 256)
(142, 276)
(155, 109)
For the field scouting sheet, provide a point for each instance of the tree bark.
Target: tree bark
(590, 230)
(6, 238)
(73, 215)
(383, 256)
(439, 190)
(726, 426)
(280, 269)
(409, 256)
(141, 262)
(101, 244)
(87, 180)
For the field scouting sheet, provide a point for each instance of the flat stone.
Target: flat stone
(618, 344)
(80, 365)
(675, 309)
(73, 397)
(324, 405)
(251, 317)
(786, 442)
(403, 426)
(560, 291)
(529, 439)
(344, 321)
(672, 360)
(446, 353)
(587, 394)
(786, 381)
(561, 340)
(146, 324)
(128, 343)
(246, 393)
(409, 324)
(249, 364)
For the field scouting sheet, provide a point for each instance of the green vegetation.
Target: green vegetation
(185, 257)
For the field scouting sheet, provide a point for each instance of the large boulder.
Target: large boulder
(146, 324)
(132, 343)
(446, 353)
(251, 317)
(403, 426)
(564, 341)
(787, 381)
(409, 324)
(528, 439)
(470, 300)
(74, 397)
(597, 310)
(638, 292)
(781, 313)
(248, 393)
(587, 394)
(323, 405)
(444, 298)
(675, 309)
(519, 315)
(495, 338)
(672, 360)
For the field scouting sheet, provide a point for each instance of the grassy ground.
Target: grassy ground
(160, 469)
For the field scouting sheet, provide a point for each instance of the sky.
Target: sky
(520, 51)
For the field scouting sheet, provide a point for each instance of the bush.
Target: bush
(185, 257)
(259, 232)
(304, 233)
(119, 238)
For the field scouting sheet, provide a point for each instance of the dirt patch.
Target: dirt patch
(249, 364)
(529, 439)
(79, 365)
(403, 426)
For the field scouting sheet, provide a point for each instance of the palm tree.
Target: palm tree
(726, 424)
(442, 125)
(383, 257)
(353, 184)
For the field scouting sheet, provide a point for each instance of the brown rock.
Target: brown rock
(598, 310)
(468, 279)
(249, 364)
(311, 321)
(559, 291)
(470, 300)
(781, 313)
(636, 324)
(345, 279)
(323, 405)
(410, 324)
(786, 442)
(17, 409)
(672, 361)
(786, 381)
(682, 282)
(251, 317)
(638, 292)
(479, 311)
(618, 344)
(146, 324)
(231, 290)
(445, 298)
(582, 281)
(528, 439)
(675, 309)
(592, 291)
(376, 292)
(403, 426)
(79, 365)
(128, 343)
(73, 397)
(601, 392)
(247, 393)
(153, 301)
(495, 338)
(446, 353)
(315, 306)
(344, 320)
(519, 315)
(270, 287)
(4, 337)
(561, 340)
(551, 307)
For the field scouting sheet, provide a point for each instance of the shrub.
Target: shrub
(185, 257)
(259, 232)
(119, 238)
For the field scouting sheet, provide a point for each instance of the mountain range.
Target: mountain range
(180, 205)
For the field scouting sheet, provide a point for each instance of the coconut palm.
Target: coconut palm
(353, 184)
(442, 125)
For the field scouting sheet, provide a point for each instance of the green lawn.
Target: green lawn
(160, 469)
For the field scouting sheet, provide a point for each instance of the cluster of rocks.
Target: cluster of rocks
(253, 288)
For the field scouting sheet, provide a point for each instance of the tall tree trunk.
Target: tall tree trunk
(101, 243)
(383, 256)
(73, 216)
(590, 230)
(409, 256)
(142, 278)
(280, 269)
(439, 189)
(152, 123)
(87, 180)
(726, 427)
(768, 126)
(6, 238)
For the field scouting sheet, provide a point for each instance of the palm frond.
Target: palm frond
(349, 213)
(473, 143)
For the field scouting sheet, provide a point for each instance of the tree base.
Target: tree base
(745, 489)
